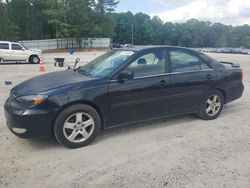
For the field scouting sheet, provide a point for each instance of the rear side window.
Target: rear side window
(183, 61)
(16, 47)
(4, 46)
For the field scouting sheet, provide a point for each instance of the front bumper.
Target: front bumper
(33, 123)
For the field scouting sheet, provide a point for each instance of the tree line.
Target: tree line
(45, 19)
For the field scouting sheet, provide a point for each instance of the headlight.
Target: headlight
(27, 101)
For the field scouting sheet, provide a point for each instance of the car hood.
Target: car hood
(35, 50)
(49, 81)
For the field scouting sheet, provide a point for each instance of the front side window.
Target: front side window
(151, 63)
(204, 66)
(16, 47)
(182, 61)
(4, 46)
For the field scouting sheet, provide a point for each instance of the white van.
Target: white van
(11, 51)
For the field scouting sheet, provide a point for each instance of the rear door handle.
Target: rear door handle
(163, 83)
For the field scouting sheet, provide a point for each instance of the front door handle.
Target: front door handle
(209, 76)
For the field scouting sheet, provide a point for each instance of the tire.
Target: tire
(212, 105)
(77, 126)
(34, 59)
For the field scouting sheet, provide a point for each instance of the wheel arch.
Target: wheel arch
(91, 104)
(224, 94)
(33, 55)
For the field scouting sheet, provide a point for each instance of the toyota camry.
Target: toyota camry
(123, 86)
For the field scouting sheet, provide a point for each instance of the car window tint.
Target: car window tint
(183, 61)
(4, 46)
(151, 63)
(107, 63)
(204, 65)
(16, 47)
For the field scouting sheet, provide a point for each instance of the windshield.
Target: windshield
(24, 47)
(104, 65)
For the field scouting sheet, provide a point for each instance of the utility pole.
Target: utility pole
(57, 45)
(132, 39)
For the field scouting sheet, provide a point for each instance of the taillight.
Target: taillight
(241, 75)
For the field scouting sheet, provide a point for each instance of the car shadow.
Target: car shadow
(229, 110)
(126, 129)
(51, 143)
(45, 144)
(148, 125)
(14, 63)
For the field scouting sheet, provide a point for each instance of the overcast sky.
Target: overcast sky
(235, 12)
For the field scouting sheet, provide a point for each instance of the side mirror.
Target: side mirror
(125, 76)
(23, 49)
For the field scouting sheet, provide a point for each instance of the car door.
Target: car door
(191, 79)
(4, 51)
(18, 53)
(146, 96)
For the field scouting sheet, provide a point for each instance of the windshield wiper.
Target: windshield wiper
(84, 71)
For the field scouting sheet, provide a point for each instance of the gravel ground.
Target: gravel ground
(177, 152)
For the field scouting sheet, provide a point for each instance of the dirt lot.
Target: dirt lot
(178, 152)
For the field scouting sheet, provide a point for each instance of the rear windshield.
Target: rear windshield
(212, 62)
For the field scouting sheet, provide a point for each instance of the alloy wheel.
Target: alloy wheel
(35, 60)
(78, 127)
(213, 105)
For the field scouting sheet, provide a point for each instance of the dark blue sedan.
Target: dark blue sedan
(121, 87)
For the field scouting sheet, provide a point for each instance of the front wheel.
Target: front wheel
(212, 106)
(34, 59)
(77, 126)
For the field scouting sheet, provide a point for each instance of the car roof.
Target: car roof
(136, 48)
(8, 42)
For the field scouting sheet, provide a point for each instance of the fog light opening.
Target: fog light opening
(19, 130)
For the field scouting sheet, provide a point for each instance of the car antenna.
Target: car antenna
(76, 62)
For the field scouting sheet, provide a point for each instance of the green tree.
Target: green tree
(55, 13)
(170, 35)
(104, 22)
(123, 28)
(218, 35)
(78, 19)
(8, 30)
(141, 27)
(156, 31)
(240, 36)
(42, 19)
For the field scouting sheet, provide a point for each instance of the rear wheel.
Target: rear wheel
(34, 59)
(77, 126)
(211, 106)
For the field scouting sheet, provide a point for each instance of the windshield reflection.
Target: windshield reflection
(104, 65)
